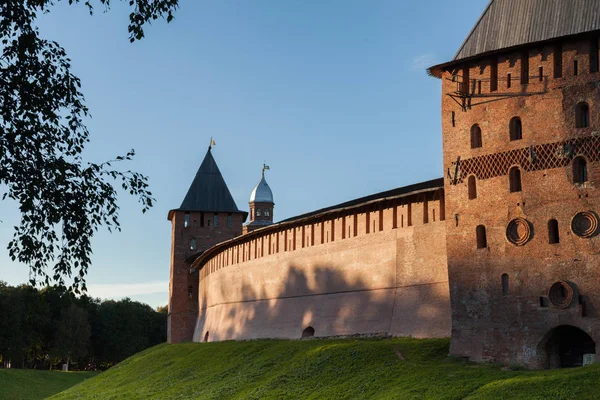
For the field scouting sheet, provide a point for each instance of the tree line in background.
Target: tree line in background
(44, 329)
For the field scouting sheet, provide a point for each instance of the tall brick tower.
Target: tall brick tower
(520, 122)
(208, 215)
(261, 205)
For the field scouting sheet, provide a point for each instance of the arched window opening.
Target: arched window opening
(206, 337)
(481, 237)
(579, 170)
(193, 244)
(553, 232)
(515, 179)
(504, 284)
(258, 212)
(308, 332)
(472, 184)
(186, 220)
(582, 115)
(476, 137)
(516, 129)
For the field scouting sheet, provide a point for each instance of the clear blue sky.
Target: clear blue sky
(333, 95)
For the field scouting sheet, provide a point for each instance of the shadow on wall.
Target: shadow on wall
(325, 300)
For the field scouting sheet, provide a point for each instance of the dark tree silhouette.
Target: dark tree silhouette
(63, 199)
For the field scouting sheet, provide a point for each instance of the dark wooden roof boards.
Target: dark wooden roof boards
(208, 191)
(506, 24)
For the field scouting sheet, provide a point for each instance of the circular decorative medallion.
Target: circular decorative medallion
(561, 294)
(585, 224)
(519, 231)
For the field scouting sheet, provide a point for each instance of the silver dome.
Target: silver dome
(262, 192)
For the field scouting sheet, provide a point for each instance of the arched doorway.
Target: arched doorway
(564, 347)
(308, 332)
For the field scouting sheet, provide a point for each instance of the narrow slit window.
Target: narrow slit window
(504, 284)
(472, 184)
(186, 220)
(580, 170)
(216, 220)
(508, 80)
(582, 115)
(515, 180)
(478, 87)
(453, 119)
(476, 141)
(465, 80)
(553, 237)
(494, 75)
(525, 68)
(481, 237)
(541, 74)
(594, 55)
(193, 244)
(558, 63)
(201, 219)
(575, 68)
(229, 220)
(516, 129)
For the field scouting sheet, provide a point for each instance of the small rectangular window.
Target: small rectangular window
(267, 212)
(229, 220)
(558, 64)
(216, 220)
(186, 220)
(508, 80)
(478, 87)
(494, 75)
(258, 212)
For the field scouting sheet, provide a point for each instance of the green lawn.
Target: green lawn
(30, 384)
(325, 369)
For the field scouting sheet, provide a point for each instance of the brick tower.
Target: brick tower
(520, 122)
(208, 215)
(261, 205)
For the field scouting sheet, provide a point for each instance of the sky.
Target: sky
(331, 94)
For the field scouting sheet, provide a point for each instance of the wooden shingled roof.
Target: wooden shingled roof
(512, 23)
(208, 191)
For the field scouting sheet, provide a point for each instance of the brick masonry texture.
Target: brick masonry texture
(384, 277)
(512, 326)
(414, 265)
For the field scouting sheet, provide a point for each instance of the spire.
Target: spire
(208, 191)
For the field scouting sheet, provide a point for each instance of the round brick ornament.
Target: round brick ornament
(519, 231)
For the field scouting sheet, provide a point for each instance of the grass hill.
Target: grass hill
(31, 384)
(325, 369)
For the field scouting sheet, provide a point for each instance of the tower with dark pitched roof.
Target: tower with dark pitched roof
(520, 122)
(208, 215)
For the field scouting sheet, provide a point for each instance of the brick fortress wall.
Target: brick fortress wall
(377, 268)
(499, 293)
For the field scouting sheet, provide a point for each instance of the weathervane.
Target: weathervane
(212, 143)
(265, 168)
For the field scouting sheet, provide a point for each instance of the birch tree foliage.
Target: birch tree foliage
(62, 198)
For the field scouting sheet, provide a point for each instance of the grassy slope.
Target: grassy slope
(28, 384)
(324, 369)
